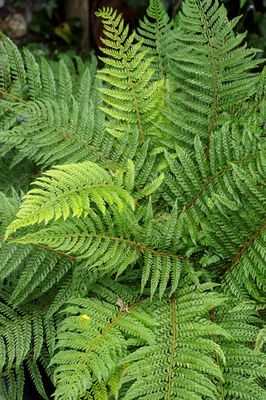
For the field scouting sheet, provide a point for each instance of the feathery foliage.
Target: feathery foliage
(131, 96)
(135, 266)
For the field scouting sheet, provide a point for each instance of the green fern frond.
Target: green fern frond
(36, 377)
(244, 366)
(101, 244)
(8, 210)
(93, 339)
(12, 384)
(69, 188)
(21, 333)
(181, 364)
(57, 131)
(261, 339)
(242, 243)
(130, 95)
(155, 32)
(211, 71)
(12, 71)
(194, 182)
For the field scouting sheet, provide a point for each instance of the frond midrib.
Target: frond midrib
(138, 246)
(217, 175)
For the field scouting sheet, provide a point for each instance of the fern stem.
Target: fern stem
(216, 176)
(40, 246)
(15, 97)
(172, 355)
(246, 247)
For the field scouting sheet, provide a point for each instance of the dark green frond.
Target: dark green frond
(181, 364)
(211, 71)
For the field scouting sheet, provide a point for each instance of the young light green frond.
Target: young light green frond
(69, 189)
(92, 340)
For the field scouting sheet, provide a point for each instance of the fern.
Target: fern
(181, 364)
(245, 366)
(134, 267)
(92, 339)
(131, 98)
(62, 190)
(108, 247)
(155, 32)
(210, 70)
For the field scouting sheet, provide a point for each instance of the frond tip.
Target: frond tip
(69, 189)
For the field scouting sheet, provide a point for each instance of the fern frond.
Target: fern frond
(210, 69)
(69, 188)
(21, 332)
(130, 95)
(101, 244)
(244, 366)
(181, 364)
(8, 209)
(92, 340)
(12, 71)
(12, 384)
(194, 182)
(242, 243)
(155, 32)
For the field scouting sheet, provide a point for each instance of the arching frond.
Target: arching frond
(103, 245)
(69, 189)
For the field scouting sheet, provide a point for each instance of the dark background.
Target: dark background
(53, 27)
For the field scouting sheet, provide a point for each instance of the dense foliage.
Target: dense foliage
(132, 214)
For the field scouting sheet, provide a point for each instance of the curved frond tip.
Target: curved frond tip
(69, 190)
